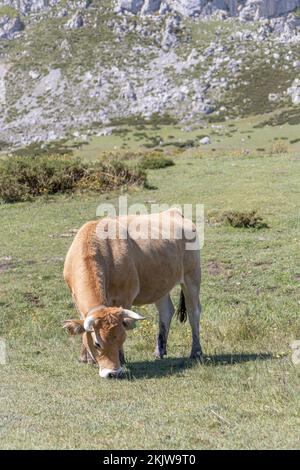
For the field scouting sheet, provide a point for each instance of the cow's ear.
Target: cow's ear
(130, 319)
(74, 327)
(129, 324)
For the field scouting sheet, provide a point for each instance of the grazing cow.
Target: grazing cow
(108, 274)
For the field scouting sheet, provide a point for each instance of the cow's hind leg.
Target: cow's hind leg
(166, 311)
(191, 290)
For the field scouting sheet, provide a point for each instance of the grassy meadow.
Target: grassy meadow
(253, 134)
(245, 394)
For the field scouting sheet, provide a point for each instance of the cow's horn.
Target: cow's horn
(89, 323)
(133, 315)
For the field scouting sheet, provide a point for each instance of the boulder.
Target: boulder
(9, 27)
(273, 97)
(75, 22)
(29, 6)
(205, 140)
(131, 6)
(150, 6)
(169, 38)
(294, 91)
(247, 10)
(129, 92)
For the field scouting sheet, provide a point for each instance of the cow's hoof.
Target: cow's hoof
(196, 355)
(159, 355)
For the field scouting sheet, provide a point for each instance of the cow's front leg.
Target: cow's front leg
(122, 357)
(166, 311)
(85, 356)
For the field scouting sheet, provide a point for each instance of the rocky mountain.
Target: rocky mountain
(68, 67)
(253, 9)
(245, 9)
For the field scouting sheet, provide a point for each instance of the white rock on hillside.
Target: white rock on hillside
(34, 75)
(150, 6)
(32, 6)
(10, 26)
(27, 6)
(169, 38)
(132, 6)
(75, 22)
(273, 97)
(3, 72)
(205, 140)
(271, 8)
(248, 10)
(294, 91)
(188, 7)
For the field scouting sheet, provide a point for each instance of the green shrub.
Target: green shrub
(6, 10)
(58, 147)
(22, 179)
(187, 144)
(3, 145)
(155, 160)
(105, 176)
(246, 219)
(297, 12)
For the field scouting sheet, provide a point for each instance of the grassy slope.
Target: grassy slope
(237, 136)
(245, 395)
(95, 47)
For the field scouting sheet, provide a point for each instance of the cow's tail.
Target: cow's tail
(181, 310)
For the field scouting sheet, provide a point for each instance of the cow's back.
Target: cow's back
(148, 257)
(134, 267)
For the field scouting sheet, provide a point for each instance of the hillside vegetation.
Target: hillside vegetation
(100, 66)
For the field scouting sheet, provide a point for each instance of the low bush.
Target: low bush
(279, 147)
(3, 145)
(248, 219)
(107, 176)
(297, 12)
(155, 160)
(6, 10)
(23, 178)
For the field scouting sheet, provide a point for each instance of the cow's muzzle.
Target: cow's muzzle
(111, 373)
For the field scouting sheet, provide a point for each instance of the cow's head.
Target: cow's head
(104, 335)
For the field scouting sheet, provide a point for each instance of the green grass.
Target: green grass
(234, 137)
(297, 12)
(6, 10)
(244, 395)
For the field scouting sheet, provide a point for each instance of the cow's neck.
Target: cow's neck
(89, 292)
(89, 276)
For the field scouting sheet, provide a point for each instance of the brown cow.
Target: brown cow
(138, 264)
